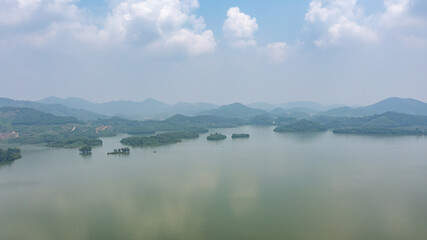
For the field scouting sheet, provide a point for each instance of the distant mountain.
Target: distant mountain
(298, 113)
(10, 116)
(383, 120)
(55, 109)
(313, 107)
(235, 110)
(394, 104)
(264, 106)
(149, 108)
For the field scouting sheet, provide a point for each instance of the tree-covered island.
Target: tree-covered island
(120, 151)
(216, 137)
(240, 135)
(9, 155)
(86, 150)
(161, 139)
(301, 126)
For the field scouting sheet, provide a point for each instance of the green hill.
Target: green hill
(235, 110)
(26, 116)
(55, 109)
(394, 104)
(301, 126)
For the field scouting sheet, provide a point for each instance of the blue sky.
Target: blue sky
(330, 51)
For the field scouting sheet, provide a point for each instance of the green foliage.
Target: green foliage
(285, 120)
(379, 131)
(301, 126)
(159, 139)
(75, 142)
(385, 120)
(235, 110)
(10, 154)
(216, 137)
(125, 150)
(64, 136)
(263, 120)
(241, 135)
(85, 150)
(174, 123)
(28, 116)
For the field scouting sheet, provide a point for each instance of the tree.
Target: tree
(85, 150)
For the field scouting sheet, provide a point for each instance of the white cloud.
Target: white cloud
(276, 52)
(187, 40)
(142, 23)
(239, 28)
(340, 19)
(395, 12)
(17, 11)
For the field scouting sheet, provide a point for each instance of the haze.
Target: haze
(348, 52)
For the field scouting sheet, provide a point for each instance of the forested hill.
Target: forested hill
(235, 110)
(55, 109)
(27, 116)
(394, 104)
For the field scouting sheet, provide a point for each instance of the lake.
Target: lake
(270, 186)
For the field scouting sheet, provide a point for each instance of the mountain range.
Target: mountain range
(147, 109)
(55, 109)
(393, 104)
(153, 109)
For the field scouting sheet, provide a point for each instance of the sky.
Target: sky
(353, 52)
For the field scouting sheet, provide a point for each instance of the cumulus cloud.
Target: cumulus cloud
(144, 23)
(395, 12)
(239, 28)
(340, 19)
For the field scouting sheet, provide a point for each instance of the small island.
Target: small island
(301, 126)
(161, 138)
(216, 137)
(240, 135)
(9, 155)
(86, 150)
(120, 151)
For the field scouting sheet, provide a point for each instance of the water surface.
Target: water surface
(270, 186)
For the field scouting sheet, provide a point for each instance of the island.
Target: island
(9, 155)
(216, 137)
(86, 150)
(159, 139)
(120, 151)
(301, 126)
(240, 135)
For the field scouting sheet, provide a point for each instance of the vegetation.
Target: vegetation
(120, 151)
(159, 139)
(264, 120)
(216, 137)
(235, 110)
(9, 155)
(379, 131)
(241, 135)
(301, 126)
(29, 126)
(85, 150)
(408, 106)
(28, 116)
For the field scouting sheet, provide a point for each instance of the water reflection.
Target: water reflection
(270, 186)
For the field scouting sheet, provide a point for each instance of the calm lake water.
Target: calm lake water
(270, 186)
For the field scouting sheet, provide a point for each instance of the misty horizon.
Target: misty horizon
(217, 103)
